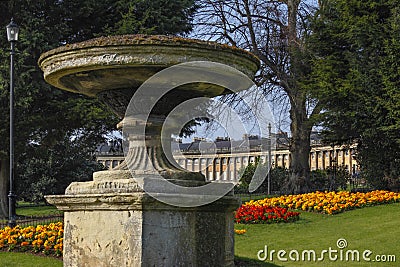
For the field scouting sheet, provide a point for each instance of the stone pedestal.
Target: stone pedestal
(127, 227)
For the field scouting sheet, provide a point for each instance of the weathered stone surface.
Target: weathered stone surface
(137, 230)
(117, 62)
(122, 181)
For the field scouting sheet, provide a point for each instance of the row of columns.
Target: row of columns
(225, 167)
(222, 168)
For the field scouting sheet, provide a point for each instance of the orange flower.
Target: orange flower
(329, 202)
(240, 231)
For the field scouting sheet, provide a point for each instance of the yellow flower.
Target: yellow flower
(240, 231)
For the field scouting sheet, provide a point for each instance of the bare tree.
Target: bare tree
(275, 32)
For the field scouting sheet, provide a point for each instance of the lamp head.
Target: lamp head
(12, 31)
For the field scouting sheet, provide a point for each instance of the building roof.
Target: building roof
(279, 140)
(113, 147)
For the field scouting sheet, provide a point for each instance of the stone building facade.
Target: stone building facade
(222, 159)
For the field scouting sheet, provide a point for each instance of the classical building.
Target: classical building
(222, 159)
(110, 154)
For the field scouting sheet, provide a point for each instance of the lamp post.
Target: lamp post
(12, 36)
(269, 158)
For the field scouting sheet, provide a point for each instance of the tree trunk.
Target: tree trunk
(4, 188)
(299, 169)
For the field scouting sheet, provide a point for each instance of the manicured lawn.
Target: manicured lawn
(247, 197)
(37, 210)
(13, 259)
(26, 210)
(372, 228)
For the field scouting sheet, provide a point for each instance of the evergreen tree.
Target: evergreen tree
(356, 77)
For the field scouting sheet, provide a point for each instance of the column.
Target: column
(214, 171)
(234, 169)
(228, 169)
(221, 173)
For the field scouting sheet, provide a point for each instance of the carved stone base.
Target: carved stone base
(134, 229)
(121, 181)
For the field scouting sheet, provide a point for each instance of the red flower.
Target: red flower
(264, 214)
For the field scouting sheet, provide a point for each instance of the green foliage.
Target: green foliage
(50, 170)
(356, 77)
(331, 179)
(278, 178)
(154, 17)
(245, 175)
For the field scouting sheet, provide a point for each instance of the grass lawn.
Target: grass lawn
(247, 197)
(14, 259)
(25, 210)
(37, 210)
(373, 228)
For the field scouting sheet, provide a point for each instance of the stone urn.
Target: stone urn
(113, 220)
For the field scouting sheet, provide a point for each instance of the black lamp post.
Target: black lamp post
(269, 158)
(12, 36)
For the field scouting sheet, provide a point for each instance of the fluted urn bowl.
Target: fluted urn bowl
(112, 68)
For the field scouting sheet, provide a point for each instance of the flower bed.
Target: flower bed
(264, 214)
(42, 238)
(328, 202)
